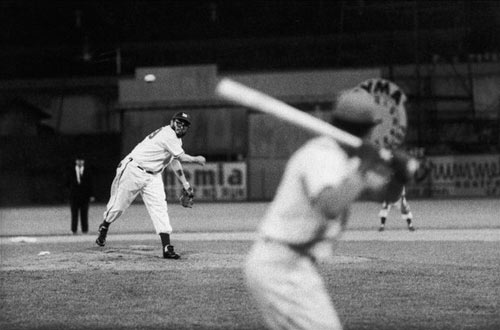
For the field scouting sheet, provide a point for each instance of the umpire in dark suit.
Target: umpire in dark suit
(80, 182)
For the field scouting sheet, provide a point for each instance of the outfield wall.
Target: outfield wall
(458, 176)
(441, 177)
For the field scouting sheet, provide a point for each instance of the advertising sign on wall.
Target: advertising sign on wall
(212, 182)
(459, 176)
(466, 175)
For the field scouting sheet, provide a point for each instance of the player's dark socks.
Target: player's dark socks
(165, 239)
(168, 250)
(105, 224)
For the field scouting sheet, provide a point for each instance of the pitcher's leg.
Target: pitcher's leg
(154, 198)
(124, 189)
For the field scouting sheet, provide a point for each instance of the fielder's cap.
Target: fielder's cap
(357, 106)
(182, 116)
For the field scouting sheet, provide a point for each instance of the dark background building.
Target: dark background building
(57, 38)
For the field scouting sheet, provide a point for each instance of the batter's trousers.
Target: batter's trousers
(288, 289)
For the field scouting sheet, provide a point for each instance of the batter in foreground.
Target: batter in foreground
(307, 215)
(140, 172)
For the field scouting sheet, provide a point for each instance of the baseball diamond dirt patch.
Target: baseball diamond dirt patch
(127, 247)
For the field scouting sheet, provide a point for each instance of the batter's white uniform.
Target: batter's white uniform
(280, 269)
(140, 172)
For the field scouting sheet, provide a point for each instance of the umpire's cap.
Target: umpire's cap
(357, 106)
(182, 116)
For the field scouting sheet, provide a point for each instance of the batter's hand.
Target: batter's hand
(400, 165)
(385, 163)
(371, 160)
(187, 197)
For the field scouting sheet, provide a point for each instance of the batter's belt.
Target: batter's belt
(302, 249)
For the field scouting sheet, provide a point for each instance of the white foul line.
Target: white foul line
(481, 235)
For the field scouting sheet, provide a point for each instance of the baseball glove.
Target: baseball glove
(187, 197)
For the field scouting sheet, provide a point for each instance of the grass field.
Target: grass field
(439, 277)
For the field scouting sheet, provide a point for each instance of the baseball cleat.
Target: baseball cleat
(381, 228)
(101, 239)
(168, 253)
(411, 228)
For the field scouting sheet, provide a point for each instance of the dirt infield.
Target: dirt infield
(44, 252)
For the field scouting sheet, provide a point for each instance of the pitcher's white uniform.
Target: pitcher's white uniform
(140, 172)
(280, 269)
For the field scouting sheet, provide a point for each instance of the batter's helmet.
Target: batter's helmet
(358, 106)
(356, 112)
(182, 116)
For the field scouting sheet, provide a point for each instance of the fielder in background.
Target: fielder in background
(309, 212)
(140, 172)
(390, 134)
(403, 205)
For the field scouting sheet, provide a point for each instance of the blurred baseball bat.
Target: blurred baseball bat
(251, 98)
(233, 91)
